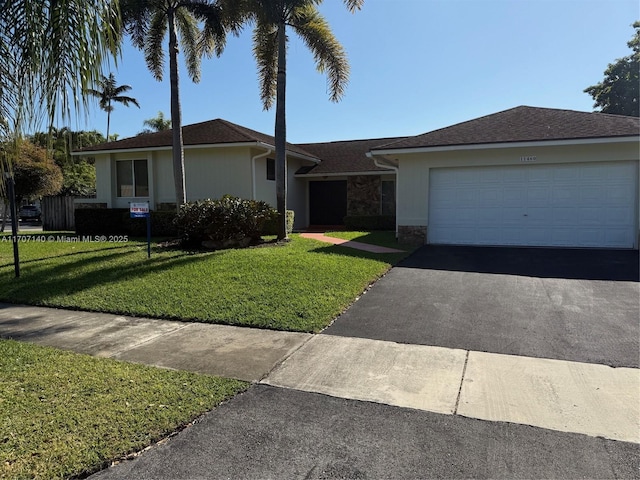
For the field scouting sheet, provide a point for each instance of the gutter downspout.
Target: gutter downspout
(253, 170)
(376, 161)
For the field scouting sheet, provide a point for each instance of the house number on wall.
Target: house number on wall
(530, 158)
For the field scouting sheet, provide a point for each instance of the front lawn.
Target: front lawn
(300, 286)
(65, 415)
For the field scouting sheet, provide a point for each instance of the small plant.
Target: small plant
(223, 223)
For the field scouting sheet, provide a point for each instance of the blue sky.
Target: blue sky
(416, 65)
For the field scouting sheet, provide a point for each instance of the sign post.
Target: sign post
(14, 221)
(141, 210)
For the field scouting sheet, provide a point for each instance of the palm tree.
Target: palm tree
(108, 93)
(52, 51)
(148, 22)
(156, 124)
(271, 18)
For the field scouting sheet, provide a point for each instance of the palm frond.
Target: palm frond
(354, 5)
(265, 51)
(189, 35)
(125, 100)
(153, 44)
(60, 47)
(329, 55)
(215, 24)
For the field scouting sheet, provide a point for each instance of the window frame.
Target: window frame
(271, 169)
(135, 185)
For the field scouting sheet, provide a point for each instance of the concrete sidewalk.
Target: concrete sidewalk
(566, 396)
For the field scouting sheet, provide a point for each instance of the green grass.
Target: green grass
(300, 286)
(63, 414)
(384, 239)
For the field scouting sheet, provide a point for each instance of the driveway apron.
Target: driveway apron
(577, 305)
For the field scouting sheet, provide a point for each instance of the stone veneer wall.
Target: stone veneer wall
(363, 195)
(412, 234)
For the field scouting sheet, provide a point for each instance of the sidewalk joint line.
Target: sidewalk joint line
(284, 359)
(464, 371)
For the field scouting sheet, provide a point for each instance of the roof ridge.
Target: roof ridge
(353, 141)
(239, 129)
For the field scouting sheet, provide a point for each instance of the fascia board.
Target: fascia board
(488, 146)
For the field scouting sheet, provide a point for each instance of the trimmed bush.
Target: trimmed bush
(370, 222)
(161, 224)
(118, 221)
(228, 221)
(271, 225)
(101, 221)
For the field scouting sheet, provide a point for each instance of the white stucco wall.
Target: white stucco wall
(213, 172)
(103, 179)
(209, 173)
(414, 168)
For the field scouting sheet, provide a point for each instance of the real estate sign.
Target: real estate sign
(139, 210)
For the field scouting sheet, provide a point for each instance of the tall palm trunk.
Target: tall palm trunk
(281, 134)
(108, 119)
(176, 115)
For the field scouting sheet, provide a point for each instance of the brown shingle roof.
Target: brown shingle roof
(524, 124)
(345, 156)
(206, 133)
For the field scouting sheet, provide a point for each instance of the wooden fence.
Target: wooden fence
(58, 213)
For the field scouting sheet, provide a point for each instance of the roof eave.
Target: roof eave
(343, 174)
(527, 144)
(191, 147)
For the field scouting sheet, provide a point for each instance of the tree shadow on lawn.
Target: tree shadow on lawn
(72, 254)
(60, 280)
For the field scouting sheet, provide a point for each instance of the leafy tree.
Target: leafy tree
(35, 173)
(79, 179)
(148, 22)
(271, 19)
(79, 174)
(156, 124)
(108, 93)
(618, 92)
(62, 141)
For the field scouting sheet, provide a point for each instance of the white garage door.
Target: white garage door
(582, 205)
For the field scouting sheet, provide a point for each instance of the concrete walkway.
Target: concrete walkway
(566, 396)
(321, 237)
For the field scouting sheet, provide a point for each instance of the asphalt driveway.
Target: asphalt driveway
(579, 305)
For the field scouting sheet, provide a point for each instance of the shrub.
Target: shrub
(271, 225)
(118, 221)
(370, 222)
(161, 224)
(101, 221)
(228, 221)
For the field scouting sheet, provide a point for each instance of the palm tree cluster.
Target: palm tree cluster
(198, 28)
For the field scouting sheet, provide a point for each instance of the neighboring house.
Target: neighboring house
(524, 176)
(224, 158)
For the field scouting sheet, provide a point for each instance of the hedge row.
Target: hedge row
(118, 221)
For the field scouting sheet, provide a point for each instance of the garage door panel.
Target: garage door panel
(589, 205)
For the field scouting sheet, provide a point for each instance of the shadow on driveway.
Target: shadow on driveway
(585, 264)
